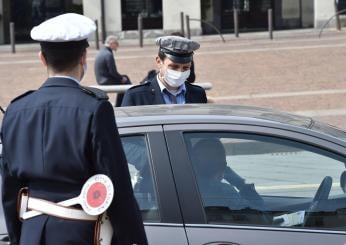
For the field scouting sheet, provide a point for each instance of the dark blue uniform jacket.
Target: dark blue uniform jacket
(54, 139)
(149, 93)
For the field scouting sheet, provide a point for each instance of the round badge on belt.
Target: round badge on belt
(97, 194)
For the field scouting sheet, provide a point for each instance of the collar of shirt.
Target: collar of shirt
(68, 77)
(181, 89)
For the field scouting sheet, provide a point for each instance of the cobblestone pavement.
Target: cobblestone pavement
(296, 72)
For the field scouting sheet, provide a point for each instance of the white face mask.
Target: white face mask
(176, 78)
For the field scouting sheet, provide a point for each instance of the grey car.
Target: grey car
(214, 174)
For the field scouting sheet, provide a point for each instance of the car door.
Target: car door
(248, 185)
(3, 231)
(153, 184)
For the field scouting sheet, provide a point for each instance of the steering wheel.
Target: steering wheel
(322, 194)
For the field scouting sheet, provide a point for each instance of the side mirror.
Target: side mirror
(5, 240)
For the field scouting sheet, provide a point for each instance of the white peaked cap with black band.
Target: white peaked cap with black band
(64, 28)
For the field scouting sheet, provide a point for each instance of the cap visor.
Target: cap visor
(179, 59)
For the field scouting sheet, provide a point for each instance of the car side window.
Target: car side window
(139, 162)
(260, 180)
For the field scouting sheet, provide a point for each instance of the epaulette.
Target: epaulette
(95, 92)
(147, 83)
(194, 85)
(22, 95)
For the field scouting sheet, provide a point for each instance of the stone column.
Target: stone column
(92, 9)
(2, 31)
(324, 9)
(171, 15)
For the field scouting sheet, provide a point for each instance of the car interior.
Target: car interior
(289, 185)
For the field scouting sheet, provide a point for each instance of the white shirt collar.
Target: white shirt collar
(68, 77)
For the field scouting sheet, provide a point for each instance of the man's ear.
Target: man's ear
(83, 59)
(158, 62)
(43, 59)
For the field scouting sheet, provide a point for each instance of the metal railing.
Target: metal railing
(188, 19)
(236, 24)
(124, 88)
(13, 37)
(338, 25)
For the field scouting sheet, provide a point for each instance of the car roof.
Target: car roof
(212, 113)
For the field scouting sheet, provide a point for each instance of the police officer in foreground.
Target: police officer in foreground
(169, 86)
(58, 136)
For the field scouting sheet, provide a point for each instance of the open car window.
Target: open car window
(139, 162)
(260, 180)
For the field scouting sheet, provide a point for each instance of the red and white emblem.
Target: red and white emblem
(97, 194)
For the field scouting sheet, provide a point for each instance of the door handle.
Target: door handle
(221, 243)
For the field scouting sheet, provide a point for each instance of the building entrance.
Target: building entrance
(27, 14)
(253, 14)
(151, 11)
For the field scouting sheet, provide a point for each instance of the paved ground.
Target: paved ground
(296, 72)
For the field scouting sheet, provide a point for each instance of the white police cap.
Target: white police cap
(64, 28)
(178, 49)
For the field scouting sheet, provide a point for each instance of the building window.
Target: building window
(341, 4)
(27, 14)
(139, 162)
(151, 11)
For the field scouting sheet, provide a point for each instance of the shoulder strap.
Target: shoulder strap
(95, 92)
(139, 86)
(22, 95)
(193, 85)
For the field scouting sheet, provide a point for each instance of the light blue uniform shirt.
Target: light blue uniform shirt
(170, 97)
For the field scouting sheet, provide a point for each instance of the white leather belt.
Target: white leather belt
(31, 207)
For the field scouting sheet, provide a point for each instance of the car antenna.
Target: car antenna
(2, 110)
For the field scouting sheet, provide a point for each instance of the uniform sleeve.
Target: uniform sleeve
(202, 96)
(128, 100)
(109, 159)
(10, 188)
(205, 100)
(192, 77)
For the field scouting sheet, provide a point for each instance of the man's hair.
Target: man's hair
(162, 55)
(63, 56)
(111, 39)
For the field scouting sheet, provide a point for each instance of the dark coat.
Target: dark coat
(192, 77)
(105, 69)
(149, 93)
(54, 139)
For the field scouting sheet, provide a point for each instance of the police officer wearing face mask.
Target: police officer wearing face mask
(169, 86)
